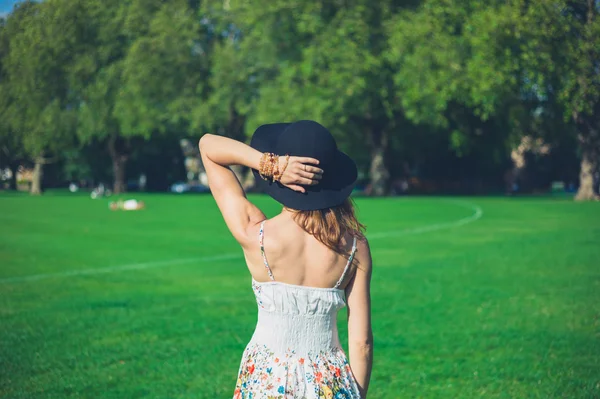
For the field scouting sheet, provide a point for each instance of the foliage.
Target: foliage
(11, 148)
(513, 66)
(127, 92)
(158, 95)
(388, 78)
(39, 112)
(322, 61)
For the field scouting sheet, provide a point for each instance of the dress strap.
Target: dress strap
(350, 259)
(261, 236)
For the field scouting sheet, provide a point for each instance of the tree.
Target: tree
(162, 73)
(457, 74)
(11, 149)
(116, 107)
(513, 66)
(237, 64)
(336, 78)
(321, 61)
(39, 111)
(581, 91)
(234, 71)
(163, 78)
(97, 81)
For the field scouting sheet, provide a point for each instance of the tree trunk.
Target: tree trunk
(586, 177)
(249, 182)
(238, 170)
(36, 178)
(235, 126)
(12, 184)
(119, 161)
(378, 171)
(589, 135)
(518, 158)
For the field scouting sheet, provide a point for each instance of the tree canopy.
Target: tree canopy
(406, 86)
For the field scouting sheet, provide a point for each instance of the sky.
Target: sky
(6, 6)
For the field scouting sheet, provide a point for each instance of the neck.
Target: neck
(287, 212)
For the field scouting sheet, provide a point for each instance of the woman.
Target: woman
(306, 263)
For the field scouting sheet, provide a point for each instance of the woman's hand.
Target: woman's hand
(300, 172)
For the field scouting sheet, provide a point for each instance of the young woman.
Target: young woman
(306, 263)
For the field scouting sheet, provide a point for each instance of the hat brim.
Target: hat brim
(337, 184)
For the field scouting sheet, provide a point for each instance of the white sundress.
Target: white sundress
(295, 352)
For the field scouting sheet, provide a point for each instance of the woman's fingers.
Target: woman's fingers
(305, 163)
(310, 175)
(307, 168)
(308, 160)
(306, 182)
(302, 182)
(295, 187)
(302, 172)
(313, 169)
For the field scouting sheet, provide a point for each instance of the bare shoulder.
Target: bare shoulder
(358, 290)
(363, 254)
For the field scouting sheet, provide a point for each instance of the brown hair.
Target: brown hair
(331, 224)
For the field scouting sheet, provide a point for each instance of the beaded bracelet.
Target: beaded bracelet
(261, 165)
(266, 166)
(269, 167)
(277, 176)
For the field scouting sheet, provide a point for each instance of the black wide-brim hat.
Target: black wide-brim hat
(307, 139)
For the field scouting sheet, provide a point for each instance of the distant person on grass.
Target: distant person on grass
(306, 263)
(128, 205)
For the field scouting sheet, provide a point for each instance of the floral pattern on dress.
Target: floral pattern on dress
(264, 374)
(257, 293)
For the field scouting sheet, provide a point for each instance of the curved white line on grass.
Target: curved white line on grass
(112, 269)
(477, 214)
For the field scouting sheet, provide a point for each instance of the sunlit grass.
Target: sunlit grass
(505, 306)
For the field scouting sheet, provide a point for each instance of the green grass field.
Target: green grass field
(474, 297)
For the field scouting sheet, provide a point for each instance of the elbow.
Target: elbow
(363, 346)
(204, 142)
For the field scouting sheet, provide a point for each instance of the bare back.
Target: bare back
(296, 257)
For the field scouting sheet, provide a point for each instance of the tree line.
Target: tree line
(395, 81)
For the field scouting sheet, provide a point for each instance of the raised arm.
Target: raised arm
(360, 334)
(218, 153)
